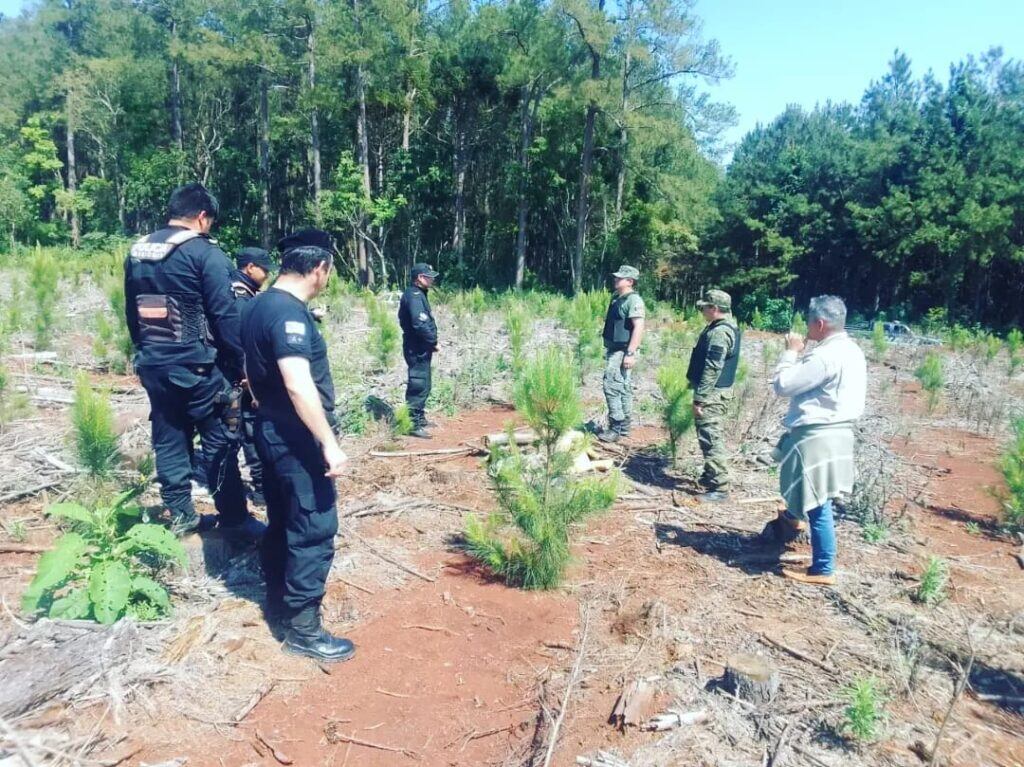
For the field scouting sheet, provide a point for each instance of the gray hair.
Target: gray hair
(829, 309)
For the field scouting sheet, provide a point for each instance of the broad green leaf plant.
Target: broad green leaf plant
(106, 566)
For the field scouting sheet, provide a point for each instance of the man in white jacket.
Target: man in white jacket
(826, 385)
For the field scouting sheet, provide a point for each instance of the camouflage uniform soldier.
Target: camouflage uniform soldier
(623, 331)
(711, 374)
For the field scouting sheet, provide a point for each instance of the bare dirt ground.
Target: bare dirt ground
(453, 668)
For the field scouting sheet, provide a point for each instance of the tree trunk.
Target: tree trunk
(459, 169)
(264, 160)
(586, 165)
(410, 98)
(76, 231)
(523, 206)
(176, 129)
(314, 121)
(620, 181)
(362, 141)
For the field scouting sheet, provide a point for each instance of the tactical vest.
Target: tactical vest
(617, 329)
(699, 357)
(166, 315)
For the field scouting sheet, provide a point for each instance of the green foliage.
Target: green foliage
(771, 350)
(874, 532)
(931, 589)
(864, 714)
(517, 325)
(527, 543)
(582, 316)
(13, 404)
(1012, 467)
(677, 410)
(43, 276)
(764, 313)
(990, 345)
(799, 324)
(879, 344)
(959, 338)
(385, 335)
(402, 422)
(932, 378)
(547, 397)
(95, 436)
(1014, 341)
(103, 569)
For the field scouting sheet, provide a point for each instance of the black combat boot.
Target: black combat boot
(419, 425)
(307, 636)
(247, 530)
(624, 427)
(612, 433)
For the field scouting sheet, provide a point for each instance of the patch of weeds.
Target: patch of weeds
(18, 531)
(13, 404)
(106, 566)
(864, 714)
(517, 325)
(442, 397)
(401, 423)
(931, 589)
(972, 528)
(874, 532)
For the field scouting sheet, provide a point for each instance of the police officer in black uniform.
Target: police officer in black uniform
(252, 269)
(290, 378)
(183, 323)
(419, 342)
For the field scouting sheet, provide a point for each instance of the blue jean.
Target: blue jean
(823, 539)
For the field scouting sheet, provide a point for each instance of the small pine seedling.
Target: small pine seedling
(932, 379)
(874, 532)
(865, 710)
(95, 436)
(932, 587)
(878, 341)
(1012, 467)
(401, 424)
(799, 324)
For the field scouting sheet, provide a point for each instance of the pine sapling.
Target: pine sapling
(95, 436)
(931, 589)
(879, 343)
(864, 714)
(677, 410)
(932, 379)
(384, 332)
(1012, 467)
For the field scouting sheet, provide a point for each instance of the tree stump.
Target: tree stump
(751, 678)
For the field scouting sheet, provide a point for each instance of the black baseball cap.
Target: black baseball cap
(424, 269)
(257, 256)
(303, 238)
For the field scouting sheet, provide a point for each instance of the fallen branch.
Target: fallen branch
(259, 694)
(334, 736)
(21, 548)
(573, 679)
(439, 629)
(796, 653)
(278, 755)
(416, 453)
(15, 495)
(373, 549)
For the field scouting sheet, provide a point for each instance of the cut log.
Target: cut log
(522, 437)
(751, 678)
(52, 660)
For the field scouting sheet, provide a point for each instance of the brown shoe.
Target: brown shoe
(805, 576)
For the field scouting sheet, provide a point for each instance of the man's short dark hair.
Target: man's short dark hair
(189, 200)
(303, 260)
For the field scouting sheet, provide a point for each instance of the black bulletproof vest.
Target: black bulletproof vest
(169, 313)
(617, 328)
(700, 355)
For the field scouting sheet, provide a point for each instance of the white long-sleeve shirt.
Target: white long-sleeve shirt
(826, 385)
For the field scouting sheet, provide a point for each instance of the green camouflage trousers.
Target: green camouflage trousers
(711, 438)
(618, 387)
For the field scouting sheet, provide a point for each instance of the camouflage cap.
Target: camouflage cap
(627, 273)
(718, 298)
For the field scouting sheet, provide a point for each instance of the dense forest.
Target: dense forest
(513, 143)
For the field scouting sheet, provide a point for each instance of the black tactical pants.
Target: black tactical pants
(298, 547)
(417, 389)
(252, 457)
(183, 401)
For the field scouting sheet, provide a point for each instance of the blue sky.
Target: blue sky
(810, 51)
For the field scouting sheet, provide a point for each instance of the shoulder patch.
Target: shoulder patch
(423, 317)
(292, 327)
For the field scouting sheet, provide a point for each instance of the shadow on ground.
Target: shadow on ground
(732, 549)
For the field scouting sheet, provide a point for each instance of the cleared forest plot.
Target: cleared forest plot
(671, 639)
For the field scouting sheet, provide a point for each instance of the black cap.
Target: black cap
(425, 269)
(257, 256)
(316, 238)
